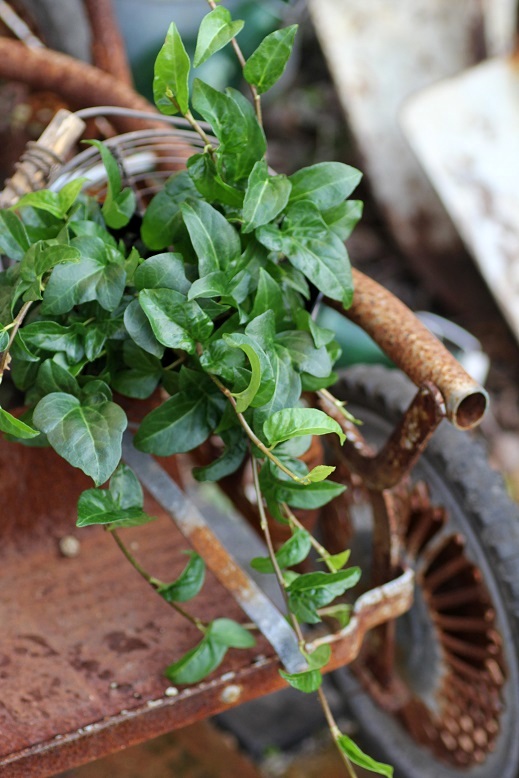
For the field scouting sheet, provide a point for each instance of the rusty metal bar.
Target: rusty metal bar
(417, 352)
(385, 469)
(107, 43)
(194, 527)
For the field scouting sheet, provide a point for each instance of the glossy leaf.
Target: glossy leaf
(310, 496)
(216, 30)
(326, 184)
(215, 241)
(14, 240)
(294, 422)
(87, 436)
(291, 553)
(162, 271)
(203, 171)
(343, 218)
(261, 385)
(10, 425)
(358, 757)
(189, 582)
(197, 663)
(180, 424)
(97, 506)
(268, 62)
(229, 461)
(308, 681)
(309, 592)
(139, 329)
(176, 322)
(313, 249)
(125, 487)
(265, 198)
(171, 78)
(162, 221)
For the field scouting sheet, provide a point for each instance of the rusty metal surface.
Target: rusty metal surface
(85, 642)
(386, 468)
(414, 350)
(465, 132)
(193, 526)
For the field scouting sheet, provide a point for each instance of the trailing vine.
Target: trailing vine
(210, 305)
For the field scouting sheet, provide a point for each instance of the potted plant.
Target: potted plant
(207, 304)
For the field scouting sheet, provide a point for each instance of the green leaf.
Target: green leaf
(343, 218)
(44, 200)
(10, 425)
(97, 506)
(197, 663)
(294, 422)
(261, 385)
(307, 496)
(320, 335)
(51, 336)
(307, 681)
(304, 355)
(319, 657)
(189, 582)
(265, 198)
(313, 249)
(326, 184)
(176, 322)
(139, 329)
(125, 488)
(210, 184)
(171, 78)
(338, 560)
(14, 241)
(162, 271)
(234, 122)
(162, 222)
(319, 473)
(99, 275)
(142, 375)
(4, 340)
(340, 612)
(307, 593)
(215, 241)
(231, 634)
(180, 424)
(228, 462)
(87, 435)
(358, 757)
(291, 553)
(69, 193)
(119, 204)
(216, 30)
(268, 62)
(287, 386)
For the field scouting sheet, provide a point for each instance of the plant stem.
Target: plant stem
(272, 554)
(193, 122)
(336, 732)
(241, 59)
(153, 582)
(328, 397)
(6, 357)
(323, 553)
(251, 434)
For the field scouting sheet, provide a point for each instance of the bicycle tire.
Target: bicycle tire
(457, 473)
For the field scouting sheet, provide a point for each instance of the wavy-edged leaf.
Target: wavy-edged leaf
(88, 436)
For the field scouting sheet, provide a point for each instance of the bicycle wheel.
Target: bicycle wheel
(457, 657)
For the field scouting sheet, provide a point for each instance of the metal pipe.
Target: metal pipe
(410, 345)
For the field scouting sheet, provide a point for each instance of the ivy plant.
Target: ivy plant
(209, 305)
